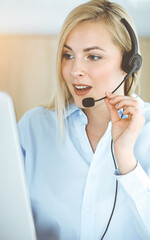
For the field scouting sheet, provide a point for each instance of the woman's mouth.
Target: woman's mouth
(81, 90)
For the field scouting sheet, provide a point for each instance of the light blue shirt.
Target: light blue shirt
(72, 189)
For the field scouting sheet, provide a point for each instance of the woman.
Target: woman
(69, 166)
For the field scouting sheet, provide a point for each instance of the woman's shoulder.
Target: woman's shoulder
(142, 146)
(37, 119)
(37, 113)
(145, 107)
(146, 111)
(35, 125)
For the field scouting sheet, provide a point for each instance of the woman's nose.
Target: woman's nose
(78, 69)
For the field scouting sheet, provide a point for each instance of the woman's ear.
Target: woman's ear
(124, 73)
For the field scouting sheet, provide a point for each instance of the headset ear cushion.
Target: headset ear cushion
(131, 61)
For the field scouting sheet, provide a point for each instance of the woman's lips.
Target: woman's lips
(81, 89)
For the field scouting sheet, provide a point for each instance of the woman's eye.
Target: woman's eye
(67, 56)
(94, 57)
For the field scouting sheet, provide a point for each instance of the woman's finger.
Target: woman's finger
(113, 111)
(126, 103)
(130, 110)
(114, 99)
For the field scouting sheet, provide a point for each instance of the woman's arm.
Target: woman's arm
(132, 177)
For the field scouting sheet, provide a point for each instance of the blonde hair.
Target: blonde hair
(94, 10)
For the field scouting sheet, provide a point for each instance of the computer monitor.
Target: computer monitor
(16, 222)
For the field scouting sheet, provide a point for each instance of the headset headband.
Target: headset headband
(131, 61)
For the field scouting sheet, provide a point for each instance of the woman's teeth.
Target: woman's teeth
(81, 87)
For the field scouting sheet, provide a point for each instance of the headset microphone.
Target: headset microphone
(131, 61)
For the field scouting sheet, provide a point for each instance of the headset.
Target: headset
(131, 63)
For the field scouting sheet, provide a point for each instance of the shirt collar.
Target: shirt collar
(71, 108)
(73, 111)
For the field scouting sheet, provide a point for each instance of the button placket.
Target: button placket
(93, 177)
(93, 183)
(88, 205)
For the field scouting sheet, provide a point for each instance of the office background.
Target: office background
(28, 41)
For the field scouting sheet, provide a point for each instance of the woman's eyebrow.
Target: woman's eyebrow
(66, 46)
(93, 48)
(87, 49)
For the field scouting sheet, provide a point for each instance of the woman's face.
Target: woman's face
(91, 62)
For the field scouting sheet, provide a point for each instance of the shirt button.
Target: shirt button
(131, 185)
(80, 113)
(93, 178)
(88, 209)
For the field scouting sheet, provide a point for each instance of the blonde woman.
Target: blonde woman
(82, 186)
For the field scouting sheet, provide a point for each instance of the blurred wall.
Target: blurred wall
(27, 69)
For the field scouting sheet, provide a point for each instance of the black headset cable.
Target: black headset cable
(114, 160)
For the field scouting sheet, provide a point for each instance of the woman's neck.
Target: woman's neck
(98, 116)
(98, 119)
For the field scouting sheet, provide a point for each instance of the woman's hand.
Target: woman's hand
(124, 131)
